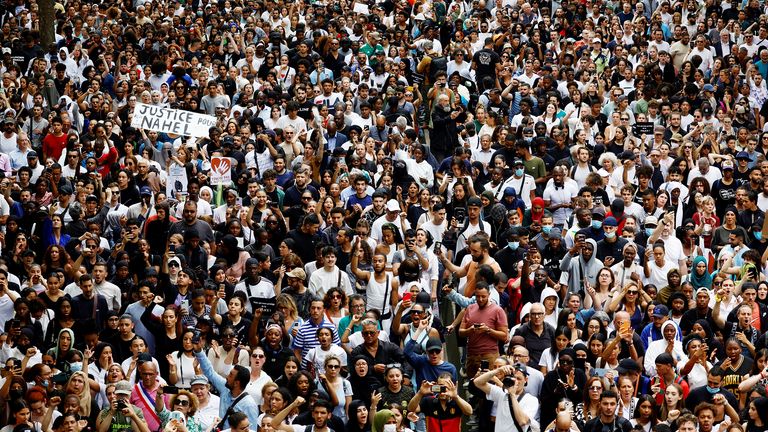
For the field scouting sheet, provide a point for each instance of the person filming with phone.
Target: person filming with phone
(441, 404)
(512, 405)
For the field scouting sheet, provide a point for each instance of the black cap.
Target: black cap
(474, 201)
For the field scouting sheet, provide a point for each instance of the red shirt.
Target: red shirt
(53, 146)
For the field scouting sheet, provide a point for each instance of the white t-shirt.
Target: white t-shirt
(322, 280)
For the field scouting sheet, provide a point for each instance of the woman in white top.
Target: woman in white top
(335, 301)
(181, 363)
(549, 357)
(284, 73)
(627, 400)
(338, 388)
(315, 358)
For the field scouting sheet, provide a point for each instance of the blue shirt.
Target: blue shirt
(425, 370)
(246, 405)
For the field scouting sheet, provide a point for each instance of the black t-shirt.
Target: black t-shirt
(486, 61)
(725, 196)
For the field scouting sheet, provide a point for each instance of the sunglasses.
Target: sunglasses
(257, 355)
(182, 402)
(369, 333)
(333, 366)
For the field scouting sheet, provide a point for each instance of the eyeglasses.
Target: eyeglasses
(632, 292)
(257, 356)
(306, 198)
(182, 402)
(537, 314)
(416, 312)
(227, 336)
(369, 333)
(434, 351)
(173, 264)
(566, 362)
(336, 296)
(596, 388)
(333, 366)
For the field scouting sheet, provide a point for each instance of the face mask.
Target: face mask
(546, 229)
(519, 172)
(528, 138)
(17, 394)
(597, 224)
(648, 231)
(758, 235)
(76, 366)
(513, 245)
(390, 427)
(610, 235)
(712, 390)
(44, 383)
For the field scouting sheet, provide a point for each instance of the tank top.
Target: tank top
(376, 294)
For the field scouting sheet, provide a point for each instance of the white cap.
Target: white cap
(393, 206)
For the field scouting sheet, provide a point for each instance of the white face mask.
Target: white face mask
(390, 427)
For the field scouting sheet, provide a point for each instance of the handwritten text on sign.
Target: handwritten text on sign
(173, 121)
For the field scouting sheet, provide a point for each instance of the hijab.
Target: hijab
(704, 280)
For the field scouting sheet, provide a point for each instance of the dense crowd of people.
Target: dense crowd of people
(432, 216)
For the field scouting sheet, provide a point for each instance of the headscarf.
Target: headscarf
(50, 93)
(382, 417)
(85, 394)
(704, 280)
(55, 350)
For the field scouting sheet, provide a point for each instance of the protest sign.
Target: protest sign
(221, 171)
(176, 181)
(173, 121)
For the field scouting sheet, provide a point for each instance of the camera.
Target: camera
(439, 389)
(484, 364)
(121, 405)
(171, 390)
(508, 381)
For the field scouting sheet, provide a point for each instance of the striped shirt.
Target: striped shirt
(306, 338)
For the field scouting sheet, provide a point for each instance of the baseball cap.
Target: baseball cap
(474, 202)
(743, 155)
(703, 290)
(727, 165)
(660, 311)
(598, 211)
(146, 191)
(297, 273)
(651, 221)
(708, 87)
(199, 379)
(628, 365)
(65, 190)
(610, 221)
(434, 344)
(393, 206)
(123, 387)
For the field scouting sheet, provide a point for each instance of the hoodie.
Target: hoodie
(575, 270)
(551, 319)
(659, 346)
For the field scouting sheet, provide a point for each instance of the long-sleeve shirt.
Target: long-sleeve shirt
(246, 405)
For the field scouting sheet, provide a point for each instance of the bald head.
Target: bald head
(563, 421)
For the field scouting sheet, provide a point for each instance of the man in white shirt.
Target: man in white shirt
(702, 51)
(473, 223)
(559, 196)
(110, 291)
(523, 184)
(330, 276)
(704, 169)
